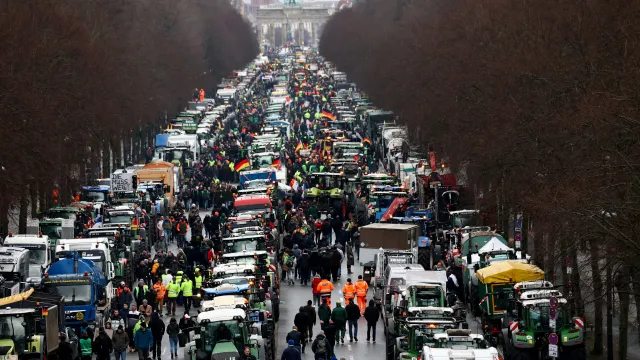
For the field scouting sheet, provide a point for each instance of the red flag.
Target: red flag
(276, 163)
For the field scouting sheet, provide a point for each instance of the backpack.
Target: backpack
(289, 261)
(322, 347)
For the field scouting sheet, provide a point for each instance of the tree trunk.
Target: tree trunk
(22, 216)
(635, 281)
(576, 288)
(598, 293)
(33, 191)
(622, 284)
(550, 261)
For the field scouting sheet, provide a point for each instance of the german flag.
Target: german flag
(276, 163)
(367, 140)
(328, 115)
(242, 164)
(299, 146)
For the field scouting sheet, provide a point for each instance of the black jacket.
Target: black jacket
(296, 336)
(353, 311)
(157, 326)
(372, 314)
(301, 321)
(311, 314)
(64, 351)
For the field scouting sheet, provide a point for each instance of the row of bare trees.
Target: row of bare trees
(86, 84)
(540, 100)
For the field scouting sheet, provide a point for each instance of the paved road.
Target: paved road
(293, 297)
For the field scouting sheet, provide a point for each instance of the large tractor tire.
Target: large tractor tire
(522, 354)
(423, 258)
(577, 352)
(390, 346)
(434, 255)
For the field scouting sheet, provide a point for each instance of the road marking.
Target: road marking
(349, 347)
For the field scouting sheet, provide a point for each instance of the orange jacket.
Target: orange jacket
(325, 286)
(361, 288)
(201, 95)
(160, 290)
(349, 291)
(314, 285)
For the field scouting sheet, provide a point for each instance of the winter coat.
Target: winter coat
(324, 313)
(102, 345)
(301, 321)
(296, 336)
(120, 341)
(303, 262)
(143, 339)
(314, 347)
(291, 353)
(311, 314)
(353, 311)
(157, 326)
(173, 330)
(339, 315)
(372, 314)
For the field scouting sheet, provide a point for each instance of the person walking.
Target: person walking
(324, 313)
(371, 314)
(173, 289)
(291, 353)
(349, 291)
(314, 289)
(64, 350)
(143, 340)
(102, 345)
(173, 330)
(311, 318)
(361, 292)
(321, 347)
(295, 336)
(161, 291)
(86, 349)
(353, 314)
(339, 317)
(157, 330)
(302, 322)
(187, 293)
(120, 342)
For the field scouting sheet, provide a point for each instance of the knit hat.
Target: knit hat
(290, 342)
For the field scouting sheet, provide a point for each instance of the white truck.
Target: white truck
(14, 267)
(94, 249)
(40, 258)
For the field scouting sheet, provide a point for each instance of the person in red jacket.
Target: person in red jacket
(314, 288)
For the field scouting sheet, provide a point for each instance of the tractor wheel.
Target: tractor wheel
(437, 253)
(390, 343)
(423, 258)
(521, 354)
(473, 303)
(577, 352)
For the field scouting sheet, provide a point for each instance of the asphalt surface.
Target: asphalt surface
(295, 296)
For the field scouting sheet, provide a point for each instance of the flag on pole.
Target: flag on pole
(242, 164)
(299, 146)
(328, 115)
(367, 140)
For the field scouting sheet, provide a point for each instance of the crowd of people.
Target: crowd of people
(313, 250)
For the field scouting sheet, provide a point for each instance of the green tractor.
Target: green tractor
(414, 334)
(533, 330)
(223, 334)
(494, 294)
(328, 191)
